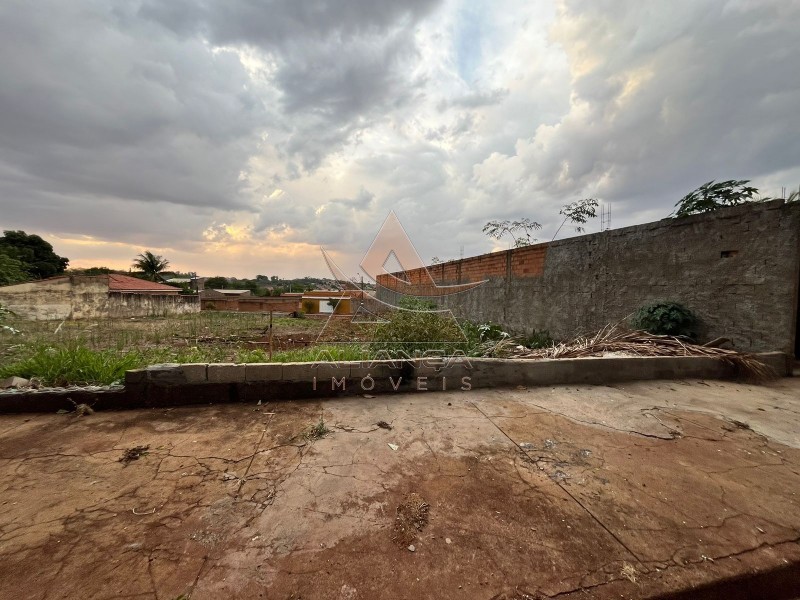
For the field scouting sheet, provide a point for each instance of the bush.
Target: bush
(665, 318)
(416, 328)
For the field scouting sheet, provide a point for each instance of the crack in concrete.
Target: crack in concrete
(566, 491)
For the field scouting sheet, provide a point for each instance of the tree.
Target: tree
(248, 284)
(93, 271)
(11, 270)
(794, 196)
(35, 254)
(711, 196)
(151, 265)
(216, 283)
(578, 213)
(520, 231)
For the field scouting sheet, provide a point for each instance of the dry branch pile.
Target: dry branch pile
(614, 339)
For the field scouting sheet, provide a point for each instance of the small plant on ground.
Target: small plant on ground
(318, 431)
(5, 315)
(665, 318)
(491, 332)
(538, 339)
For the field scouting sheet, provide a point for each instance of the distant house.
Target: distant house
(99, 296)
(218, 300)
(328, 302)
(235, 293)
(194, 283)
(123, 284)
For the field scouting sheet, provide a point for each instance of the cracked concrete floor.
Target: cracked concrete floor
(625, 491)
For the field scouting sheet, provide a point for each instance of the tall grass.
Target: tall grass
(100, 351)
(73, 364)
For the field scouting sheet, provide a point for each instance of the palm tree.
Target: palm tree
(152, 265)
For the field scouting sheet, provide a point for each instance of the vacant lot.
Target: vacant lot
(589, 491)
(99, 351)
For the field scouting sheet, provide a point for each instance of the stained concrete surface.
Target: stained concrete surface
(624, 491)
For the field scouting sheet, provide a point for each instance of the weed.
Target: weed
(317, 432)
(134, 453)
(412, 331)
(538, 339)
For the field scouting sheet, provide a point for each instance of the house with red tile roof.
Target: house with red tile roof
(134, 285)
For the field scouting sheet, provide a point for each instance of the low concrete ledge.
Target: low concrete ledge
(175, 384)
(50, 400)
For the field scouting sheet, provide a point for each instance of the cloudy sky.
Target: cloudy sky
(238, 136)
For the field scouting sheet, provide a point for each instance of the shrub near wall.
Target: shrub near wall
(665, 318)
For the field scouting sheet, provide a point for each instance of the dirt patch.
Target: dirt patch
(411, 518)
(517, 595)
(232, 502)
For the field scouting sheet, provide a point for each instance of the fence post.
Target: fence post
(270, 336)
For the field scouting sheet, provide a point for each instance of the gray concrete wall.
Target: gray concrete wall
(736, 268)
(76, 297)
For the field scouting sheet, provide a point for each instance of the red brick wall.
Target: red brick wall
(278, 303)
(520, 262)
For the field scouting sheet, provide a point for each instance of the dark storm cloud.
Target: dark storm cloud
(98, 105)
(339, 65)
(114, 101)
(271, 23)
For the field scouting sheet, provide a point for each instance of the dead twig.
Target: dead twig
(616, 339)
(134, 453)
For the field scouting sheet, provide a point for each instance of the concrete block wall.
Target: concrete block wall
(84, 297)
(175, 385)
(736, 268)
(261, 304)
(264, 381)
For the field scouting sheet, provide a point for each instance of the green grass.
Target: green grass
(73, 364)
(317, 432)
(98, 352)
